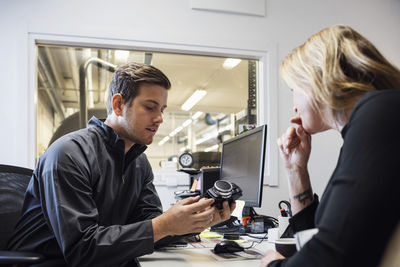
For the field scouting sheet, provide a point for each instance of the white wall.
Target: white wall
(287, 23)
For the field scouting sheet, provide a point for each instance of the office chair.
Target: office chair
(13, 183)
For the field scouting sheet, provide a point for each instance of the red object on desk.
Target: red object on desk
(245, 219)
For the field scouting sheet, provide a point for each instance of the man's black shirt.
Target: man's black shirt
(89, 202)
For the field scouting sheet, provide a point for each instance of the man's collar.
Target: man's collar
(112, 138)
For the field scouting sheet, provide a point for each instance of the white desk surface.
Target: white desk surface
(197, 257)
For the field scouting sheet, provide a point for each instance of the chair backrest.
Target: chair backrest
(13, 183)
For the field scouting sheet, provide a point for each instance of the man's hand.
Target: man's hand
(270, 256)
(189, 215)
(224, 214)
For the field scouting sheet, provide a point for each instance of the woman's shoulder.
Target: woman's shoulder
(377, 103)
(381, 96)
(375, 112)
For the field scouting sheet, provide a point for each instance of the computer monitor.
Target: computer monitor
(242, 162)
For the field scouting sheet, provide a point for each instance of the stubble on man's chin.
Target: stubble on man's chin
(149, 142)
(142, 142)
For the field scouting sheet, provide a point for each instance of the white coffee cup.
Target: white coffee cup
(273, 234)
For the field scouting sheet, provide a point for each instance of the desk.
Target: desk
(197, 257)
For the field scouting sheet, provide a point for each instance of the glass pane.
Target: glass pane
(230, 95)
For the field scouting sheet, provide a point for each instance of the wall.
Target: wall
(287, 23)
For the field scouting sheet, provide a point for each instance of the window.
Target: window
(228, 104)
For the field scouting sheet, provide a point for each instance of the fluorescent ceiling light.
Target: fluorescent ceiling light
(177, 130)
(207, 136)
(230, 63)
(197, 115)
(193, 99)
(187, 123)
(180, 128)
(212, 134)
(165, 139)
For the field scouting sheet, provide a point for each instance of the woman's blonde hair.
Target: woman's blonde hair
(339, 65)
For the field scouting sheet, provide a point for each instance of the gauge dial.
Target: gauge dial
(186, 160)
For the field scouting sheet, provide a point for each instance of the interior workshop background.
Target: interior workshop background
(260, 31)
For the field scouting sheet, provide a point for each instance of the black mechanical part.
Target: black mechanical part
(223, 191)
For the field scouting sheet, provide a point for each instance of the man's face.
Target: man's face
(141, 119)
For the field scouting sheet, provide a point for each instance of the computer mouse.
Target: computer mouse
(227, 246)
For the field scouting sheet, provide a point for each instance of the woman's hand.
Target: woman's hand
(270, 256)
(295, 146)
(295, 149)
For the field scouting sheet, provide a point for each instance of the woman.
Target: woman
(340, 81)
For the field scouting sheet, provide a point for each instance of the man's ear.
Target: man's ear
(117, 104)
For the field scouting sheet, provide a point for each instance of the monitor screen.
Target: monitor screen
(242, 162)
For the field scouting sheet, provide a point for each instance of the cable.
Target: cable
(257, 237)
(288, 206)
(257, 242)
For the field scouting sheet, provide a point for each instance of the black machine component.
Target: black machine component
(71, 123)
(206, 159)
(222, 191)
(207, 178)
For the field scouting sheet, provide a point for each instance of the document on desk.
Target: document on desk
(247, 254)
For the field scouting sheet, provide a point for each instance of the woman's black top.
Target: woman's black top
(358, 211)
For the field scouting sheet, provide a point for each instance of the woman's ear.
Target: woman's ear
(117, 104)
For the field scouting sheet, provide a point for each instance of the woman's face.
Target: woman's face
(310, 118)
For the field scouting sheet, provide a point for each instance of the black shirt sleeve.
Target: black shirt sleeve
(304, 219)
(73, 217)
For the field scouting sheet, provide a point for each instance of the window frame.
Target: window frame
(266, 83)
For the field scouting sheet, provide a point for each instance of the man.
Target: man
(91, 200)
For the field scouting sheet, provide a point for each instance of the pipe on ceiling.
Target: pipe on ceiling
(83, 113)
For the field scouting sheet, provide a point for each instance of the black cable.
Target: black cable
(288, 206)
(257, 242)
(258, 237)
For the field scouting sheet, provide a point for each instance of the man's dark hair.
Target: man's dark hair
(128, 78)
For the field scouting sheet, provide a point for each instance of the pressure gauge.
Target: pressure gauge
(186, 160)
